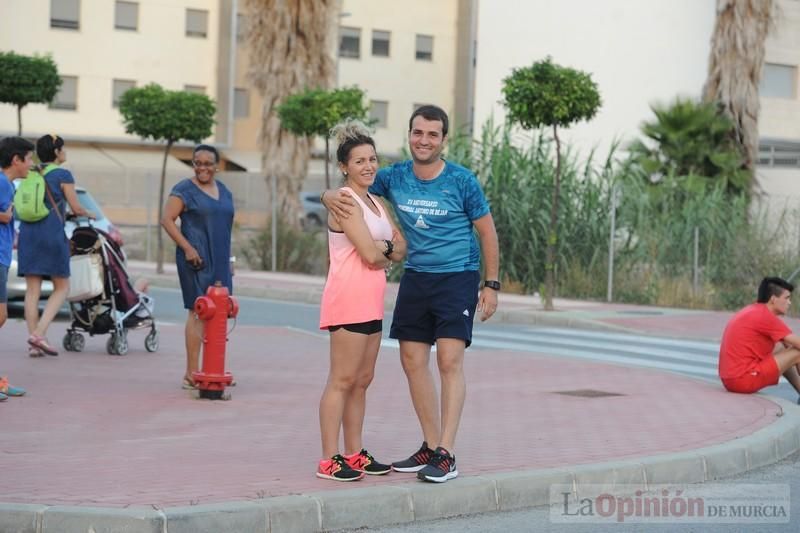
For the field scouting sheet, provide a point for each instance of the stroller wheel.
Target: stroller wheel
(67, 342)
(151, 341)
(76, 342)
(117, 344)
(110, 345)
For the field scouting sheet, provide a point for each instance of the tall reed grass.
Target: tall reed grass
(655, 226)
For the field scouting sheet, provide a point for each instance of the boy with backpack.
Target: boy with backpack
(16, 159)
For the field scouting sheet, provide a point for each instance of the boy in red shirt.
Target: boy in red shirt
(748, 361)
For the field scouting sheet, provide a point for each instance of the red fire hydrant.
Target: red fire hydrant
(215, 308)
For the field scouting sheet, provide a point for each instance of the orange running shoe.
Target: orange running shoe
(337, 469)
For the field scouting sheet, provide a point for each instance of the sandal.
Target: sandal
(188, 385)
(40, 342)
(8, 390)
(34, 352)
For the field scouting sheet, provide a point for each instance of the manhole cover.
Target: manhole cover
(633, 312)
(587, 393)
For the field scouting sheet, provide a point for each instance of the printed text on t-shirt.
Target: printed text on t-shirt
(422, 207)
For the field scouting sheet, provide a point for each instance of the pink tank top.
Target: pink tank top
(354, 292)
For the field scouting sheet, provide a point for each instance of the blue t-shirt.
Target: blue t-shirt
(7, 229)
(435, 215)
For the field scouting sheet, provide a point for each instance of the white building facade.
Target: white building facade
(639, 54)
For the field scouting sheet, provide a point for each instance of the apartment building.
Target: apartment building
(103, 48)
(400, 58)
(779, 120)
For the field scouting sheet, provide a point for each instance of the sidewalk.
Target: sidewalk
(106, 443)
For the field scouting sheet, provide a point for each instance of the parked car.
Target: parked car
(315, 216)
(16, 284)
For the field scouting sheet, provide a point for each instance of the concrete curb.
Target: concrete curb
(415, 501)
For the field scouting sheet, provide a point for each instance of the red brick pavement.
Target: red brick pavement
(117, 431)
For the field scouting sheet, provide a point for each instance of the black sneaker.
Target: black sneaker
(416, 462)
(337, 469)
(440, 468)
(364, 462)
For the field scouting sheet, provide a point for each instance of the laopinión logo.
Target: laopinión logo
(701, 503)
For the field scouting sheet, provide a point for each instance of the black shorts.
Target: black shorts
(433, 306)
(365, 328)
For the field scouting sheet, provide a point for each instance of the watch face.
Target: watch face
(492, 285)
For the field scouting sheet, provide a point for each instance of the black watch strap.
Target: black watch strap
(492, 284)
(389, 248)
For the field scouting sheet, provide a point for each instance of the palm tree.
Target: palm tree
(734, 68)
(291, 45)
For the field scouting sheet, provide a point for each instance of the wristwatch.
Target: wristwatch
(492, 284)
(389, 249)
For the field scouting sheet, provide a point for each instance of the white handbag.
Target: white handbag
(86, 277)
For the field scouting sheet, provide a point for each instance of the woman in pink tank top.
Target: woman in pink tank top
(360, 248)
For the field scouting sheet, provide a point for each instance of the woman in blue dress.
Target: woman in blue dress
(43, 248)
(203, 254)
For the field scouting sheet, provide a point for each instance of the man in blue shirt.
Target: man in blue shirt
(438, 205)
(16, 158)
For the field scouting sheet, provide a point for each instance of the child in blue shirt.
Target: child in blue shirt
(16, 158)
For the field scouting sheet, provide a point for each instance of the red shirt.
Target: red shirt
(749, 337)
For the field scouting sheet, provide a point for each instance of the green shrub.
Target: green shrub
(655, 226)
(517, 174)
(297, 251)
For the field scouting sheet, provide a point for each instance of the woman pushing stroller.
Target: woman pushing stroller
(43, 248)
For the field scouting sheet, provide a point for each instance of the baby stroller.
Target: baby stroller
(101, 298)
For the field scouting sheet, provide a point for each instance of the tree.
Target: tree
(734, 69)
(315, 111)
(27, 80)
(691, 145)
(291, 44)
(547, 94)
(167, 116)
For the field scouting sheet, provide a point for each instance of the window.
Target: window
(779, 153)
(380, 43)
(126, 16)
(119, 88)
(241, 27)
(778, 81)
(196, 23)
(425, 47)
(67, 97)
(198, 89)
(350, 42)
(241, 103)
(378, 112)
(65, 14)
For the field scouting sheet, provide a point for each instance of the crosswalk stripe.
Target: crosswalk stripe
(699, 369)
(628, 338)
(539, 342)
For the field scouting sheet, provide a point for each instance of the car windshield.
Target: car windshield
(89, 204)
